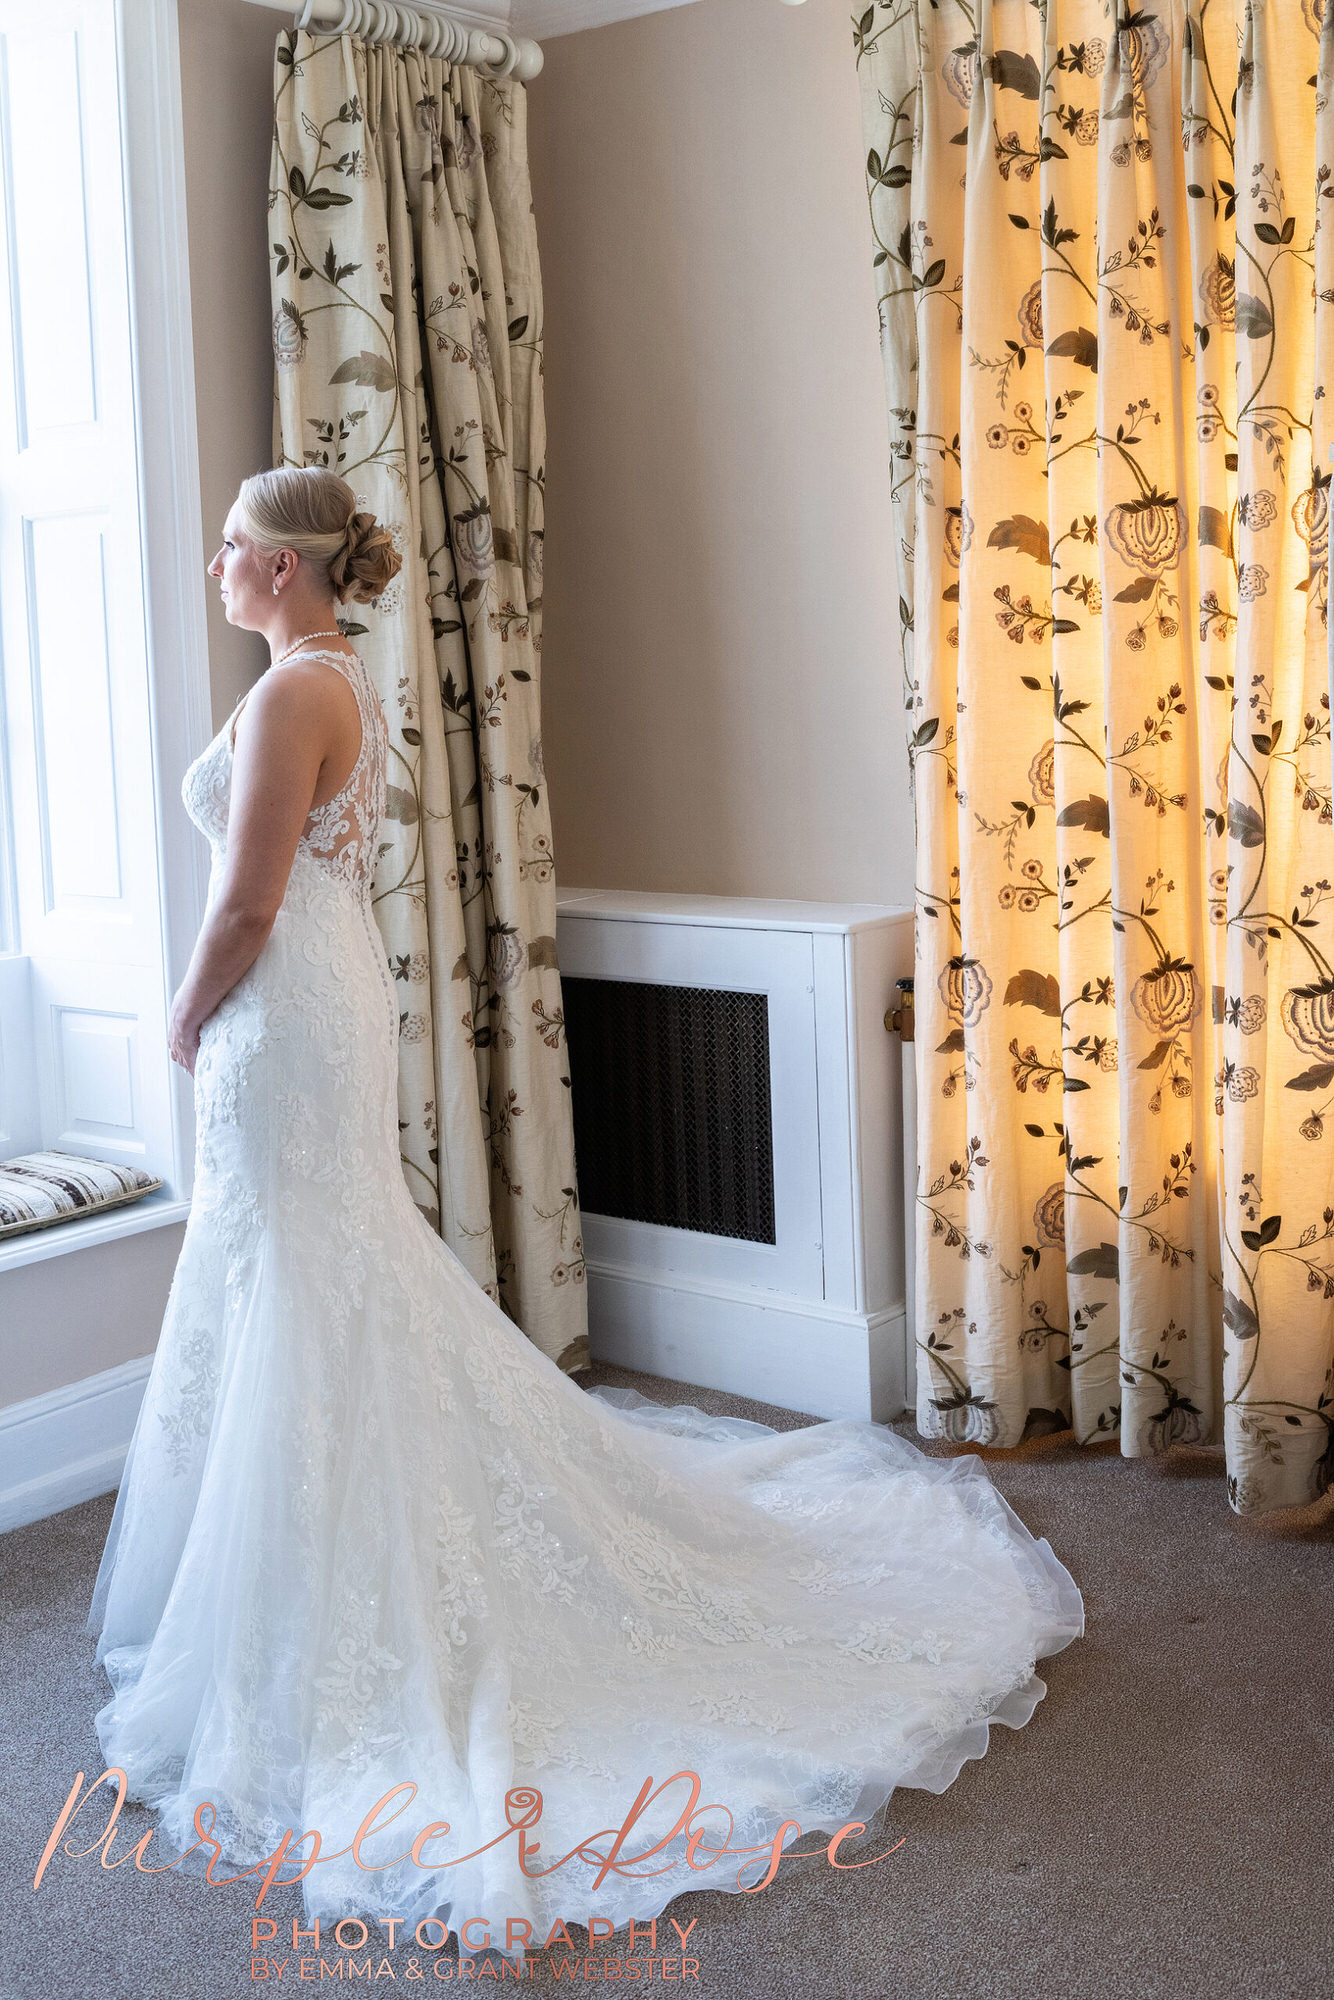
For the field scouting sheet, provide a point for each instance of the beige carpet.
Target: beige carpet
(1161, 1828)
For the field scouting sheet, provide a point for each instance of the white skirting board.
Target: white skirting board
(60, 1449)
(797, 1355)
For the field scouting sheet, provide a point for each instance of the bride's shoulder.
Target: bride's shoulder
(319, 662)
(318, 677)
(305, 693)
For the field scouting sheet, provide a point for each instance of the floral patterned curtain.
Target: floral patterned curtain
(1105, 266)
(407, 332)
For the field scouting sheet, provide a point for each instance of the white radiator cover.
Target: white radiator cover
(814, 1321)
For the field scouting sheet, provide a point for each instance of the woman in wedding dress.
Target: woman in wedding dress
(369, 1537)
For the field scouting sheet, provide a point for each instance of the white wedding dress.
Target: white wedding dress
(368, 1533)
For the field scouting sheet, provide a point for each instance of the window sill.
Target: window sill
(155, 1211)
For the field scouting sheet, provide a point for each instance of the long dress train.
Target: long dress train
(369, 1535)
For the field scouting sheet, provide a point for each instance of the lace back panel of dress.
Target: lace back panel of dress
(342, 834)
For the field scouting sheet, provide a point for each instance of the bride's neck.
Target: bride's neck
(293, 622)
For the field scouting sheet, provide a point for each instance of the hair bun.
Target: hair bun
(368, 561)
(314, 511)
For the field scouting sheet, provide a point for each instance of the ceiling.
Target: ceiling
(545, 19)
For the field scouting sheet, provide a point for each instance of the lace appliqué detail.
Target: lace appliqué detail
(185, 1400)
(228, 1079)
(656, 1571)
(823, 1579)
(352, 1688)
(509, 1395)
(883, 1640)
(342, 833)
(528, 1549)
(734, 1705)
(460, 1592)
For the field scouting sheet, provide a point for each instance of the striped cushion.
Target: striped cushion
(37, 1189)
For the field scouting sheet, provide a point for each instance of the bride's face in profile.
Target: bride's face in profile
(245, 574)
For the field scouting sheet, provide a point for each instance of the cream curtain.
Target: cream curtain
(1104, 255)
(407, 334)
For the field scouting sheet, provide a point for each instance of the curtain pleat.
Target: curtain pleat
(407, 338)
(1104, 281)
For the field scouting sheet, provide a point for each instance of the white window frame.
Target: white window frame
(171, 538)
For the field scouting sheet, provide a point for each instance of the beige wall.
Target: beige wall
(76, 1314)
(721, 710)
(227, 103)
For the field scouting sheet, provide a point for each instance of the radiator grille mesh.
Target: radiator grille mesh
(671, 1105)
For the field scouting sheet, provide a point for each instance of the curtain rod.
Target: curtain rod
(419, 27)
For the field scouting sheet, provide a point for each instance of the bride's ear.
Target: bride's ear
(284, 569)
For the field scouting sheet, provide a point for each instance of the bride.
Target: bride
(370, 1538)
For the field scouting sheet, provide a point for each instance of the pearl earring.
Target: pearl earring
(275, 586)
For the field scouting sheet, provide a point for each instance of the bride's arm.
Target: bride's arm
(281, 739)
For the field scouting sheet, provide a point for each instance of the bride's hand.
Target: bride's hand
(182, 1037)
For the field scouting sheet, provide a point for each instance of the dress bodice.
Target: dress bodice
(341, 836)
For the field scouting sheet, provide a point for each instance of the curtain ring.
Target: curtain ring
(504, 64)
(351, 8)
(302, 21)
(449, 41)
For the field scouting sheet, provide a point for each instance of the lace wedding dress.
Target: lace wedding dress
(368, 1534)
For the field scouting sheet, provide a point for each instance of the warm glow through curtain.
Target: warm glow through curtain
(1105, 265)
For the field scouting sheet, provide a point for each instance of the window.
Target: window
(103, 683)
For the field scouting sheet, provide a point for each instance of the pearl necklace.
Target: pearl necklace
(304, 640)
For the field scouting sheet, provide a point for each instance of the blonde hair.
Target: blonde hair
(312, 511)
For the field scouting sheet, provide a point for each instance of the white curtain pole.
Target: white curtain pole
(418, 27)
